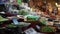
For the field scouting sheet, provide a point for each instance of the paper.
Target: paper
(30, 31)
(50, 23)
(38, 27)
(11, 0)
(15, 21)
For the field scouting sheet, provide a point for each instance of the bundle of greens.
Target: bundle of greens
(23, 12)
(3, 19)
(43, 21)
(1, 28)
(32, 18)
(48, 29)
(11, 26)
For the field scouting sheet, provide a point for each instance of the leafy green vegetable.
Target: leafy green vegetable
(32, 18)
(1, 28)
(2, 19)
(11, 26)
(23, 12)
(47, 29)
(19, 1)
(43, 21)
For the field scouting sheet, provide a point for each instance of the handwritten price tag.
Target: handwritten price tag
(30, 31)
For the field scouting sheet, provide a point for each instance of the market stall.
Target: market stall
(22, 17)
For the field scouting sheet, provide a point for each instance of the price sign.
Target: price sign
(30, 31)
